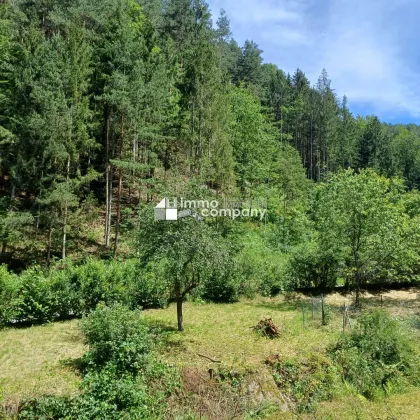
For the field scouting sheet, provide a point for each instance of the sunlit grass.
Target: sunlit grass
(32, 361)
(224, 332)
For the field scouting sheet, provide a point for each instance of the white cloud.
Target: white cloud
(363, 44)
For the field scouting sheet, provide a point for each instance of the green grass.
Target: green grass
(224, 332)
(32, 360)
(39, 360)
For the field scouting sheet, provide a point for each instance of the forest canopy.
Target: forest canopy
(107, 107)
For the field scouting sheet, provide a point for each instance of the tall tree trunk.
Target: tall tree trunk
(49, 244)
(63, 249)
(12, 197)
(179, 300)
(108, 183)
(120, 176)
(3, 248)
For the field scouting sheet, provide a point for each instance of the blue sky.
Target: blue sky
(369, 47)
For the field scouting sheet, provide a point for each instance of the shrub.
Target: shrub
(148, 286)
(45, 408)
(98, 281)
(116, 337)
(223, 285)
(9, 285)
(25, 298)
(307, 267)
(376, 357)
(122, 379)
(107, 395)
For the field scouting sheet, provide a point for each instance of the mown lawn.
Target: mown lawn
(42, 359)
(39, 360)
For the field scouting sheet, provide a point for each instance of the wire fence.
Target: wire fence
(317, 312)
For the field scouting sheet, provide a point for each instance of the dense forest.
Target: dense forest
(110, 108)
(107, 107)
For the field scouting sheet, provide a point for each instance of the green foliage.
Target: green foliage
(376, 358)
(122, 379)
(25, 298)
(308, 381)
(223, 285)
(309, 267)
(116, 337)
(48, 407)
(149, 286)
(73, 290)
(360, 218)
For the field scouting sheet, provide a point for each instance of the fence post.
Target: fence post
(322, 309)
(303, 314)
(344, 317)
(312, 301)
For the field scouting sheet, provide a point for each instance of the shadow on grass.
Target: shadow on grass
(415, 322)
(77, 364)
(295, 306)
(28, 323)
(288, 306)
(160, 326)
(164, 334)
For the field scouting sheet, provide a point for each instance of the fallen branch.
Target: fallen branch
(209, 358)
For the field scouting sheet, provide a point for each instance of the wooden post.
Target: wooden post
(322, 309)
(344, 317)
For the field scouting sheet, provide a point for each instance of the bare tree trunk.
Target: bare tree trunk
(357, 302)
(49, 245)
(12, 197)
(120, 177)
(3, 248)
(108, 182)
(179, 314)
(63, 249)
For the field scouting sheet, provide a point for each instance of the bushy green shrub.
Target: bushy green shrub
(376, 357)
(261, 268)
(25, 298)
(224, 284)
(116, 337)
(122, 379)
(46, 408)
(98, 281)
(148, 286)
(307, 267)
(66, 299)
(106, 395)
(273, 275)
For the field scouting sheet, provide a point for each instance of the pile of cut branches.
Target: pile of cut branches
(267, 328)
